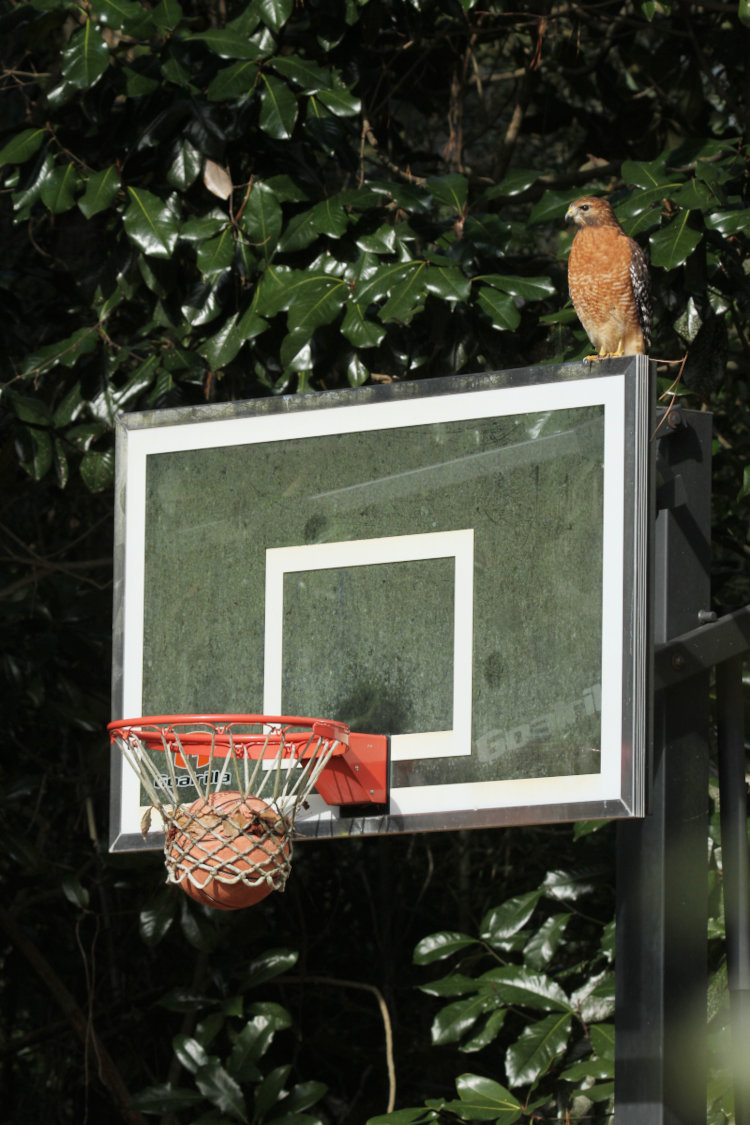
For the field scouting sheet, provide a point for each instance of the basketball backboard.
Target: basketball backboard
(458, 563)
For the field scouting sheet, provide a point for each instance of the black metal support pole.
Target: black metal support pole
(661, 976)
(736, 871)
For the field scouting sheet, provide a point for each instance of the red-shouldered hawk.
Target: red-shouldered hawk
(608, 281)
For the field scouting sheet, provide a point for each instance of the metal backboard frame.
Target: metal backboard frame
(430, 491)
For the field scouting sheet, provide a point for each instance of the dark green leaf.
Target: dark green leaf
(407, 296)
(151, 223)
(645, 175)
(455, 984)
(317, 300)
(98, 470)
(22, 147)
(602, 1037)
(215, 255)
(262, 219)
(538, 1045)
(302, 72)
(516, 181)
(504, 921)
(220, 1088)
(58, 190)
(303, 1095)
(729, 222)
(569, 886)
(123, 15)
(360, 331)
(269, 965)
(452, 191)
(268, 1091)
(436, 947)
(66, 352)
(340, 102)
(235, 81)
(186, 166)
(454, 1020)
(167, 14)
(190, 1053)
(154, 921)
(551, 207)
(221, 348)
(485, 1033)
(227, 43)
(673, 244)
(417, 1116)
(101, 191)
(274, 13)
(527, 288)
(589, 1068)
(487, 1100)
(500, 307)
(278, 108)
(85, 58)
(75, 892)
(447, 282)
(542, 946)
(515, 984)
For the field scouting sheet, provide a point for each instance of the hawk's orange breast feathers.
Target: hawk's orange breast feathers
(608, 281)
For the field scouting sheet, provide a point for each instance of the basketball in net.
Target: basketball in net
(228, 851)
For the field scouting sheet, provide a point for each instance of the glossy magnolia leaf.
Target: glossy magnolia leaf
(646, 200)
(278, 108)
(222, 1090)
(452, 191)
(500, 307)
(551, 207)
(515, 984)
(262, 219)
(527, 288)
(304, 73)
(447, 282)
(538, 1045)
(203, 226)
(646, 174)
(516, 181)
(71, 406)
(485, 1033)
(455, 984)
(269, 965)
(330, 217)
(235, 81)
(155, 921)
(165, 1098)
(569, 886)
(303, 1096)
(729, 222)
(100, 193)
(190, 1052)
(504, 921)
(274, 13)
(186, 166)
(483, 1099)
(299, 232)
(602, 1037)
(204, 302)
(436, 947)
(227, 43)
(360, 331)
(75, 892)
(98, 470)
(295, 353)
(124, 15)
(224, 346)
(356, 371)
(268, 1091)
(454, 1020)
(66, 352)
(595, 999)
(597, 1069)
(86, 57)
(22, 147)
(418, 1116)
(167, 14)
(215, 255)
(340, 102)
(150, 223)
(542, 946)
(407, 296)
(58, 190)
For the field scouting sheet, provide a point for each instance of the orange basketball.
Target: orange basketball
(224, 840)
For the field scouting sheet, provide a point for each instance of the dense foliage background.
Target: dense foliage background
(217, 199)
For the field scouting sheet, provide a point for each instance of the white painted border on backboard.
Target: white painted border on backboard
(458, 545)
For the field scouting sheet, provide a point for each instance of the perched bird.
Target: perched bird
(608, 281)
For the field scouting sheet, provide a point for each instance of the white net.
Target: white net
(228, 847)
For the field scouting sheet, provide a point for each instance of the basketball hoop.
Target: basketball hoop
(230, 848)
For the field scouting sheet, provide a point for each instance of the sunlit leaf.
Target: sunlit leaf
(515, 984)
(151, 223)
(185, 168)
(278, 108)
(673, 244)
(436, 947)
(98, 470)
(360, 331)
(500, 307)
(100, 193)
(85, 58)
(506, 920)
(274, 13)
(262, 219)
(58, 190)
(538, 1045)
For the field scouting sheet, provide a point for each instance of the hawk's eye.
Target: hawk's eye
(585, 206)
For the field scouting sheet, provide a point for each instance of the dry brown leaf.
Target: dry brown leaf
(217, 179)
